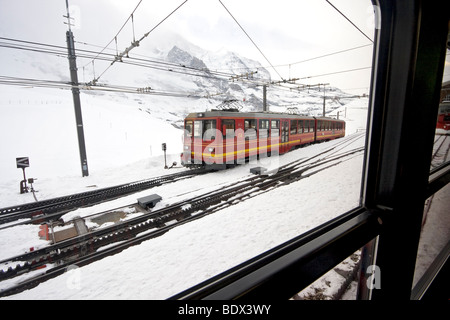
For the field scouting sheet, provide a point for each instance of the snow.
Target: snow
(186, 255)
(123, 139)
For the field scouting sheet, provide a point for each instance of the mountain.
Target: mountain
(123, 127)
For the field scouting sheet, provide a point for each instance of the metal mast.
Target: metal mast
(76, 95)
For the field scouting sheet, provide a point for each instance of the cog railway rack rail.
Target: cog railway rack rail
(52, 209)
(84, 249)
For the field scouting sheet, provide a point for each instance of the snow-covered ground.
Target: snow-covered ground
(124, 134)
(186, 255)
(161, 267)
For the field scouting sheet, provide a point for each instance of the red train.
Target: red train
(220, 137)
(444, 116)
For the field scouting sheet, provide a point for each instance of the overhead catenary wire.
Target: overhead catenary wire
(136, 43)
(118, 32)
(248, 36)
(147, 63)
(54, 84)
(87, 54)
(353, 24)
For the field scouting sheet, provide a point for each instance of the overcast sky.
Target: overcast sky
(286, 31)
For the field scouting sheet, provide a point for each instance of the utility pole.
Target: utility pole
(265, 97)
(76, 95)
(324, 96)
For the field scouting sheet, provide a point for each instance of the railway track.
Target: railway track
(84, 249)
(440, 157)
(52, 209)
(440, 151)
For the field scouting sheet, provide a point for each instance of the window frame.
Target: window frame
(188, 128)
(275, 131)
(407, 70)
(229, 132)
(294, 126)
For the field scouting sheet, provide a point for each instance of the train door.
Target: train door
(263, 135)
(284, 144)
(197, 142)
(229, 140)
(188, 138)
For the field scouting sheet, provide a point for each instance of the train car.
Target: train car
(443, 122)
(218, 138)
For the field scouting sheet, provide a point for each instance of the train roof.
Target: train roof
(261, 114)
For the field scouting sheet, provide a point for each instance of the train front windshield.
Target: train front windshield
(204, 129)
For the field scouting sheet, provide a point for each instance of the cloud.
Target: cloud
(285, 31)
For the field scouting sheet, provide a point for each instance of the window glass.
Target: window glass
(263, 128)
(198, 129)
(294, 126)
(249, 124)
(250, 128)
(188, 126)
(434, 234)
(228, 127)
(209, 129)
(308, 43)
(275, 128)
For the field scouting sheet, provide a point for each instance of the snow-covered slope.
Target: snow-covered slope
(124, 133)
(121, 128)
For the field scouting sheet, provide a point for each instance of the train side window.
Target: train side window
(275, 128)
(228, 128)
(263, 128)
(188, 126)
(250, 128)
(198, 129)
(249, 124)
(311, 126)
(293, 126)
(300, 126)
(209, 130)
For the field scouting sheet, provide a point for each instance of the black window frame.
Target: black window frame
(409, 54)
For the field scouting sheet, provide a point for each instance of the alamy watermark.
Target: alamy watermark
(236, 146)
(374, 280)
(73, 281)
(374, 17)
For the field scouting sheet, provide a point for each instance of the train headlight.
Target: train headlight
(186, 147)
(211, 149)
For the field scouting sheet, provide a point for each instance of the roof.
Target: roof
(252, 115)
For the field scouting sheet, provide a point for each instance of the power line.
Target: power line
(115, 37)
(365, 35)
(326, 55)
(53, 84)
(140, 62)
(337, 72)
(149, 63)
(251, 39)
(136, 43)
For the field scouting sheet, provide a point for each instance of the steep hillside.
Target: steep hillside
(122, 128)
